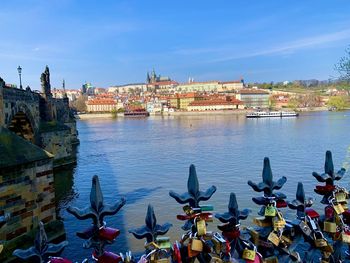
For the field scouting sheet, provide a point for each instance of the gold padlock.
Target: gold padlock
(270, 210)
(320, 241)
(274, 239)
(340, 197)
(345, 238)
(248, 254)
(287, 241)
(329, 227)
(278, 221)
(163, 260)
(197, 245)
(262, 221)
(201, 227)
(338, 208)
(272, 259)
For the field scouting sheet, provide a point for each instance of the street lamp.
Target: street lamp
(19, 69)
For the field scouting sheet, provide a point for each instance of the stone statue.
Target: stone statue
(45, 81)
(2, 82)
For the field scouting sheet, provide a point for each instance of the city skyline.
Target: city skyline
(118, 42)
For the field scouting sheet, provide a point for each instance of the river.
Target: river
(142, 159)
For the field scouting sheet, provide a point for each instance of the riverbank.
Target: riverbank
(88, 116)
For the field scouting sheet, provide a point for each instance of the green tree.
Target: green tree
(272, 102)
(343, 66)
(338, 102)
(293, 103)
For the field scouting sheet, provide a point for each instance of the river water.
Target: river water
(142, 159)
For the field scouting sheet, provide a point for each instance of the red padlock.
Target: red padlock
(281, 204)
(231, 235)
(312, 213)
(177, 253)
(329, 212)
(107, 257)
(324, 189)
(108, 233)
(58, 260)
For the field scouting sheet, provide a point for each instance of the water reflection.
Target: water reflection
(64, 187)
(143, 159)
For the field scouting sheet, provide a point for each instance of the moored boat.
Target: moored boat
(266, 114)
(136, 113)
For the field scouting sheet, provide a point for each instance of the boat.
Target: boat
(136, 113)
(267, 114)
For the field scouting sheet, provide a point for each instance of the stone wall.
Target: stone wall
(26, 197)
(59, 142)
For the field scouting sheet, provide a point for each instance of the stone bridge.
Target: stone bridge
(38, 117)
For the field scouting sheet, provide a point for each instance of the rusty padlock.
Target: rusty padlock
(320, 241)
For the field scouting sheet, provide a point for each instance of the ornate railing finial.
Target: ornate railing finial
(300, 203)
(193, 195)
(41, 249)
(151, 230)
(98, 235)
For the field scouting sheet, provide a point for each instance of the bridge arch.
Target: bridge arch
(21, 122)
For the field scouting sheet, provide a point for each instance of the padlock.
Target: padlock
(305, 228)
(270, 210)
(163, 260)
(278, 221)
(151, 246)
(163, 242)
(340, 197)
(320, 241)
(197, 245)
(329, 227)
(338, 208)
(188, 210)
(248, 254)
(273, 238)
(287, 241)
(219, 243)
(201, 227)
(328, 248)
(272, 259)
(191, 253)
(108, 233)
(216, 246)
(207, 208)
(262, 221)
(215, 259)
(345, 237)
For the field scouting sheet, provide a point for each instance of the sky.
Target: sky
(117, 42)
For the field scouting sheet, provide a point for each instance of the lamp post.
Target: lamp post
(19, 69)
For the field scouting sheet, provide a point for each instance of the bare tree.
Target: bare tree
(343, 66)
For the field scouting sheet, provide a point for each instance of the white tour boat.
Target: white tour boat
(264, 114)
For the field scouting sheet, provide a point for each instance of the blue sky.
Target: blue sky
(117, 42)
